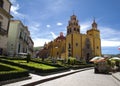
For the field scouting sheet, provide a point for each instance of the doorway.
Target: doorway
(87, 58)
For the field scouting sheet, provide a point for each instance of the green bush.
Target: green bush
(37, 60)
(28, 58)
(71, 60)
(34, 67)
(5, 68)
(15, 72)
(13, 58)
(82, 66)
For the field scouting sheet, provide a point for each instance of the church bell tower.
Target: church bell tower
(73, 38)
(73, 26)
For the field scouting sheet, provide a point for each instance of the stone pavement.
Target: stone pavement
(37, 79)
(116, 75)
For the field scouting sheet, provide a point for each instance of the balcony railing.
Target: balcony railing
(2, 31)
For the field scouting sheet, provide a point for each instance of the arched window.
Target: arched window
(76, 44)
(88, 46)
(74, 29)
(70, 30)
(1, 3)
(19, 48)
(69, 46)
(76, 24)
(97, 47)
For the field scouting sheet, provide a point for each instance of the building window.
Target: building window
(88, 46)
(70, 30)
(1, 3)
(76, 44)
(97, 47)
(18, 48)
(57, 53)
(74, 29)
(69, 46)
(20, 35)
(76, 24)
(63, 49)
(1, 18)
(0, 25)
(91, 34)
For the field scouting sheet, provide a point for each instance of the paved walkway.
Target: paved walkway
(116, 75)
(39, 79)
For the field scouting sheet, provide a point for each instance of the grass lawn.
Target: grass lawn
(3, 67)
(33, 64)
(8, 72)
(9, 68)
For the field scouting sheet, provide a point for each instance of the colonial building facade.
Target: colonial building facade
(5, 16)
(75, 44)
(19, 40)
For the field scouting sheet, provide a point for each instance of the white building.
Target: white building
(5, 16)
(19, 40)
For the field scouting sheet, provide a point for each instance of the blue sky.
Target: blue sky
(47, 18)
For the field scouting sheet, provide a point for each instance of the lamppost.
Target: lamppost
(56, 53)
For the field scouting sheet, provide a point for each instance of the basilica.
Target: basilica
(75, 44)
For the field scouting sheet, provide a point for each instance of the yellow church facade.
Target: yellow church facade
(75, 44)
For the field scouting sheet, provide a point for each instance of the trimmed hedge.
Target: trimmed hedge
(13, 58)
(82, 66)
(33, 68)
(36, 60)
(39, 70)
(51, 64)
(5, 68)
(12, 74)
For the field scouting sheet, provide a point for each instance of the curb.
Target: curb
(115, 77)
(55, 77)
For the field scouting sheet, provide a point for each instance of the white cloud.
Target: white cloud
(59, 24)
(14, 9)
(35, 26)
(57, 6)
(40, 41)
(109, 33)
(107, 43)
(85, 26)
(48, 26)
(53, 35)
(109, 36)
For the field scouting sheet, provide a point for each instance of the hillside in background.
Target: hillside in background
(38, 48)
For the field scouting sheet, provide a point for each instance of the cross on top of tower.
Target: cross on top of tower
(94, 24)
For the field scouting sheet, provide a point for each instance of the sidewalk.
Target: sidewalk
(37, 79)
(116, 75)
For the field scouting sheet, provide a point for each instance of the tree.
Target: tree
(28, 58)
